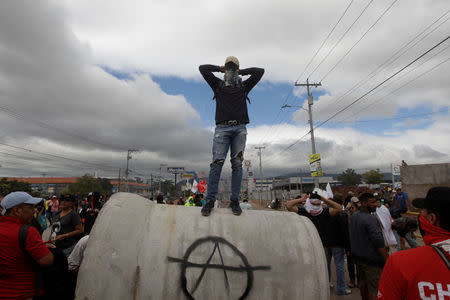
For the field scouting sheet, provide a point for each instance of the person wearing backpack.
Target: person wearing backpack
(19, 256)
(423, 272)
(231, 95)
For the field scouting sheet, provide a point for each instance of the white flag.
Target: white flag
(329, 191)
(194, 186)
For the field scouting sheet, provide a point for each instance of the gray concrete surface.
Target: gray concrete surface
(141, 250)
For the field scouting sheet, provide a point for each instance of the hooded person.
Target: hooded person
(423, 272)
(314, 210)
(231, 118)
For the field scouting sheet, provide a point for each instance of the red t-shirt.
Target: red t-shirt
(17, 278)
(418, 273)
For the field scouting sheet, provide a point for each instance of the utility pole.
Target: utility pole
(118, 183)
(260, 163)
(311, 126)
(160, 177)
(151, 183)
(43, 183)
(259, 148)
(127, 171)
(393, 178)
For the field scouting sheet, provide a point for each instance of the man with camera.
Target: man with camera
(231, 120)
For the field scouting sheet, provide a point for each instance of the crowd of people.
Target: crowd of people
(196, 199)
(364, 230)
(367, 228)
(33, 268)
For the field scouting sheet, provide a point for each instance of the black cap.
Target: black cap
(437, 200)
(68, 197)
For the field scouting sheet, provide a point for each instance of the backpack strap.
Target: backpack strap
(220, 87)
(442, 254)
(23, 232)
(217, 89)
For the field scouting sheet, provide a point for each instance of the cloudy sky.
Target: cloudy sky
(83, 81)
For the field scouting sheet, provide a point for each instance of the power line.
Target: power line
(322, 123)
(389, 61)
(400, 87)
(340, 39)
(306, 67)
(14, 114)
(357, 42)
(400, 77)
(388, 119)
(384, 81)
(60, 157)
(324, 41)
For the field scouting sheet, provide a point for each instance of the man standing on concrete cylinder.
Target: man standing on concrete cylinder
(231, 119)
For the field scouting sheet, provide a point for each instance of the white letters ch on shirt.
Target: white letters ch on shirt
(432, 291)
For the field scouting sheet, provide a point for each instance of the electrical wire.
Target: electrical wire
(384, 81)
(61, 157)
(304, 70)
(381, 99)
(324, 41)
(17, 115)
(357, 42)
(371, 90)
(389, 61)
(388, 119)
(340, 39)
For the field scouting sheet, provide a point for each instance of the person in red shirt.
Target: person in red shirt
(423, 272)
(17, 277)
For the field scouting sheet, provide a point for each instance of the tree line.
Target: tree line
(349, 177)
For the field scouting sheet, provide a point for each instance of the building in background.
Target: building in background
(49, 186)
(418, 179)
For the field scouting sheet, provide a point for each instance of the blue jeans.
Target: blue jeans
(412, 242)
(225, 137)
(338, 254)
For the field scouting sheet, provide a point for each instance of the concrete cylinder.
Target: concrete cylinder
(142, 250)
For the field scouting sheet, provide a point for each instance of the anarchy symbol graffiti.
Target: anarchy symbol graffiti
(218, 242)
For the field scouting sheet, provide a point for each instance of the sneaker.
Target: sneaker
(235, 208)
(347, 292)
(351, 284)
(206, 210)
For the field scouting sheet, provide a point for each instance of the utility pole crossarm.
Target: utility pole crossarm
(308, 84)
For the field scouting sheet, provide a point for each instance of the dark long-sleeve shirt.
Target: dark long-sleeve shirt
(337, 232)
(231, 102)
(366, 237)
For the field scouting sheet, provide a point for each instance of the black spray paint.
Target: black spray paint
(217, 241)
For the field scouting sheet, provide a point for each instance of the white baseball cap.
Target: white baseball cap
(17, 198)
(233, 60)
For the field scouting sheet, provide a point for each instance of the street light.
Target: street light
(160, 176)
(288, 106)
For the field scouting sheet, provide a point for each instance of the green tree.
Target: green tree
(373, 176)
(87, 184)
(7, 187)
(349, 177)
(167, 186)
